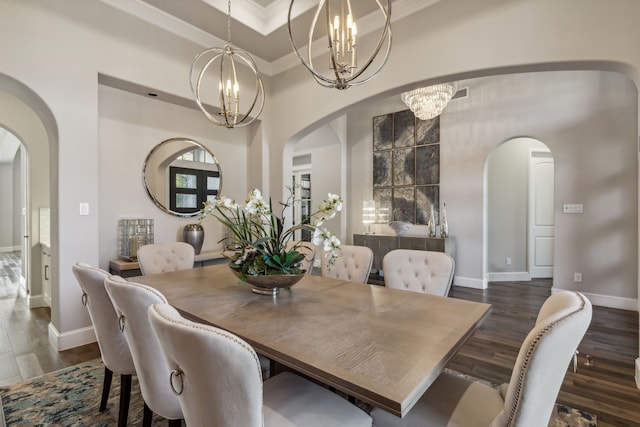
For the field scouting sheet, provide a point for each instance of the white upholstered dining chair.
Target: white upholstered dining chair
(529, 398)
(131, 301)
(113, 345)
(353, 263)
(163, 257)
(419, 271)
(216, 376)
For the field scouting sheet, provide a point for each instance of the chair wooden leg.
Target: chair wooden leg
(106, 386)
(147, 416)
(125, 397)
(175, 423)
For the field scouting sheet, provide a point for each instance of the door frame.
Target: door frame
(530, 214)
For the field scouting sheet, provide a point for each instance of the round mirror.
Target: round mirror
(180, 174)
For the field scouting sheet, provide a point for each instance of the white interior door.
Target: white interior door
(541, 214)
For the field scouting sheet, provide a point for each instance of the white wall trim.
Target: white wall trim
(637, 376)
(469, 282)
(509, 276)
(36, 301)
(9, 248)
(609, 301)
(70, 339)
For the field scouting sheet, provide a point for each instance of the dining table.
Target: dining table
(380, 345)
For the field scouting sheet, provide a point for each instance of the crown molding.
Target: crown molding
(273, 16)
(180, 28)
(264, 20)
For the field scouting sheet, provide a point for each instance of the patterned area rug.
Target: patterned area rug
(71, 396)
(563, 416)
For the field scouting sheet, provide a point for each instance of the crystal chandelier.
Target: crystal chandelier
(342, 70)
(224, 64)
(429, 102)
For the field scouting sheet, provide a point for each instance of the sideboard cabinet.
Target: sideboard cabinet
(132, 268)
(381, 244)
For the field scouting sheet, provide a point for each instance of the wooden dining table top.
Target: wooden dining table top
(382, 346)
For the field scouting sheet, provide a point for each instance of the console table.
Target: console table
(132, 268)
(381, 244)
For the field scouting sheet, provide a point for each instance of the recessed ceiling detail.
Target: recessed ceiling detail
(259, 26)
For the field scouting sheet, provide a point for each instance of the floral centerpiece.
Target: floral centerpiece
(261, 237)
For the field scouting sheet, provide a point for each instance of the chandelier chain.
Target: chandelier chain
(229, 22)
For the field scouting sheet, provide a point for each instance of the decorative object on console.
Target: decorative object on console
(133, 233)
(431, 225)
(193, 234)
(400, 227)
(368, 215)
(264, 242)
(341, 35)
(406, 166)
(429, 102)
(224, 85)
(444, 223)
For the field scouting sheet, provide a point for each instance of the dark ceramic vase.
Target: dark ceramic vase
(193, 234)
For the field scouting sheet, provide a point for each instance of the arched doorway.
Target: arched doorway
(29, 120)
(519, 211)
(13, 246)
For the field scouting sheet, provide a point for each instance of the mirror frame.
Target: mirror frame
(146, 163)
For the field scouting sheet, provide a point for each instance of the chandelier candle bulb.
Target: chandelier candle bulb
(226, 59)
(341, 35)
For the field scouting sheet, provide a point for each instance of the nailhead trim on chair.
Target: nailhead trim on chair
(217, 332)
(530, 350)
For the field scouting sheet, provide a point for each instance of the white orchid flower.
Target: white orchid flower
(318, 237)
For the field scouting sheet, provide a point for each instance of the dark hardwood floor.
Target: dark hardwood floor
(606, 389)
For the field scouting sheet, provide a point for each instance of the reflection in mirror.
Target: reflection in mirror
(180, 174)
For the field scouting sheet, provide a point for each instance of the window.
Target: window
(190, 188)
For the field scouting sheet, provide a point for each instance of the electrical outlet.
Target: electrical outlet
(577, 277)
(508, 260)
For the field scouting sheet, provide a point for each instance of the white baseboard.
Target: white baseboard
(36, 301)
(70, 339)
(469, 282)
(609, 301)
(509, 276)
(9, 248)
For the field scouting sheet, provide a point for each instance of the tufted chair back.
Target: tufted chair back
(307, 249)
(353, 263)
(163, 257)
(529, 398)
(131, 301)
(419, 271)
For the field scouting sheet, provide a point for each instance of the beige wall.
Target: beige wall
(58, 49)
(588, 120)
(130, 126)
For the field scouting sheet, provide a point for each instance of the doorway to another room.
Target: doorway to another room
(520, 211)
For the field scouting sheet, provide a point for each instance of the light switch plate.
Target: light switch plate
(84, 208)
(572, 209)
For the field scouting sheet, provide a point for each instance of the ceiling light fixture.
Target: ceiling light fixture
(341, 32)
(232, 63)
(429, 102)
